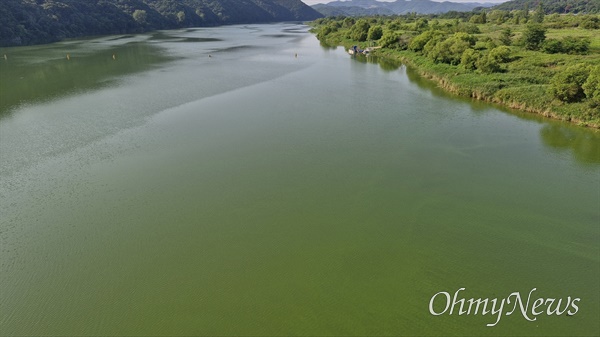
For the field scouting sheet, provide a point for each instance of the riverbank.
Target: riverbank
(491, 63)
(453, 83)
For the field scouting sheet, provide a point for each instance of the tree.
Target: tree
(360, 30)
(390, 39)
(538, 15)
(349, 22)
(375, 33)
(506, 36)
(180, 16)
(487, 64)
(419, 42)
(451, 50)
(590, 22)
(140, 16)
(591, 87)
(421, 24)
(567, 85)
(533, 36)
(469, 59)
(500, 54)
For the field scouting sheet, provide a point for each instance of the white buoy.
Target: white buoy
(5, 57)
(114, 57)
(68, 57)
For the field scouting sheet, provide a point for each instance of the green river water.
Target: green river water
(244, 180)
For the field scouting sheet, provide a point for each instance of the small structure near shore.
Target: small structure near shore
(355, 50)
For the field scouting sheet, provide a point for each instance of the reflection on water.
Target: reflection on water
(583, 144)
(30, 77)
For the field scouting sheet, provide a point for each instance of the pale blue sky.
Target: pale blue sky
(313, 2)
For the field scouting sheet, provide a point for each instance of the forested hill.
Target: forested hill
(42, 21)
(554, 6)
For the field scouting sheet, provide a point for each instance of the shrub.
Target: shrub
(360, 30)
(533, 36)
(568, 45)
(450, 50)
(469, 59)
(349, 22)
(375, 33)
(591, 22)
(468, 28)
(419, 42)
(487, 64)
(576, 45)
(591, 87)
(552, 46)
(389, 39)
(421, 24)
(567, 85)
(506, 36)
(140, 16)
(500, 54)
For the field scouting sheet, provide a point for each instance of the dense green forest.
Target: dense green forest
(41, 21)
(524, 59)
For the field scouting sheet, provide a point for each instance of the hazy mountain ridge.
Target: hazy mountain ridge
(554, 6)
(373, 7)
(41, 21)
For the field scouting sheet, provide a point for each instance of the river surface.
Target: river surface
(245, 180)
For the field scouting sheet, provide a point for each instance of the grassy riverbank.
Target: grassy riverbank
(550, 67)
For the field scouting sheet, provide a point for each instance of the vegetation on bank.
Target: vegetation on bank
(547, 64)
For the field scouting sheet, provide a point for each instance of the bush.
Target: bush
(389, 39)
(568, 45)
(552, 46)
(360, 30)
(450, 50)
(576, 45)
(591, 23)
(419, 42)
(533, 36)
(506, 36)
(591, 87)
(487, 64)
(469, 59)
(421, 24)
(567, 85)
(375, 33)
(500, 54)
(468, 28)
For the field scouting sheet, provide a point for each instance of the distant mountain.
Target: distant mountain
(373, 7)
(41, 21)
(554, 6)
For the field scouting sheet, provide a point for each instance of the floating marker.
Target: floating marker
(68, 57)
(209, 55)
(114, 57)
(296, 55)
(5, 57)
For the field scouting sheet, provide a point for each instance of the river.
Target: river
(244, 180)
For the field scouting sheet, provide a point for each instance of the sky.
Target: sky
(314, 2)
